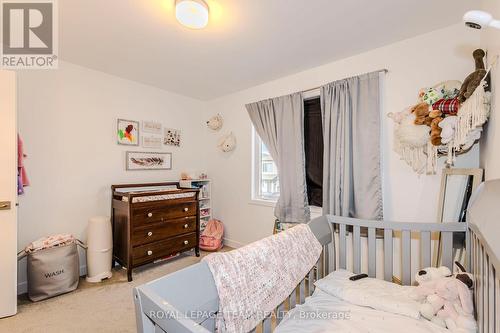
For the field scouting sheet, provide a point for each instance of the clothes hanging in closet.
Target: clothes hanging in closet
(22, 177)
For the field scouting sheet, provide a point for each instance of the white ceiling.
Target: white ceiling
(247, 42)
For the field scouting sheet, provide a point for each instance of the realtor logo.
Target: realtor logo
(29, 32)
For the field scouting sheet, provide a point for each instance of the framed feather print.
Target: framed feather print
(137, 160)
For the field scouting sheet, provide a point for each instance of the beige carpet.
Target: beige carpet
(103, 307)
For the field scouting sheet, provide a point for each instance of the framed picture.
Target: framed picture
(127, 132)
(172, 137)
(137, 160)
(151, 141)
(151, 127)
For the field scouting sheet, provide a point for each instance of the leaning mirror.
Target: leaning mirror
(457, 186)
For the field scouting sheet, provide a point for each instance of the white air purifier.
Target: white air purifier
(99, 249)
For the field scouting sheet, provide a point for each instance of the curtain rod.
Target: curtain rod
(385, 70)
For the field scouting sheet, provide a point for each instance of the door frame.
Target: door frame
(8, 193)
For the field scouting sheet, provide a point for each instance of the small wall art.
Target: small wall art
(172, 137)
(227, 143)
(148, 161)
(127, 132)
(151, 127)
(151, 141)
(215, 123)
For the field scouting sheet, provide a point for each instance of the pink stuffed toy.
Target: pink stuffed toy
(427, 279)
(451, 304)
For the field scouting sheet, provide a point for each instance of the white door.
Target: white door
(8, 194)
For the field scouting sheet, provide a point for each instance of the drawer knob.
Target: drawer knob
(150, 214)
(186, 209)
(186, 242)
(186, 226)
(150, 252)
(150, 234)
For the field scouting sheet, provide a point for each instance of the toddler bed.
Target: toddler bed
(187, 300)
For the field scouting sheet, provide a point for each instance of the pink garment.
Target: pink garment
(21, 171)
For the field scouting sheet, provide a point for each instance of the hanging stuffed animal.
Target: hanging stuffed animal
(449, 89)
(410, 140)
(423, 114)
(430, 95)
(448, 129)
(474, 79)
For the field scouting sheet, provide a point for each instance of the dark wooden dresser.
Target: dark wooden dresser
(152, 222)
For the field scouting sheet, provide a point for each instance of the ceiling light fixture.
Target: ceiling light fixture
(192, 13)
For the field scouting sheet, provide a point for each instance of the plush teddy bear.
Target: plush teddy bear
(215, 123)
(424, 114)
(436, 131)
(474, 79)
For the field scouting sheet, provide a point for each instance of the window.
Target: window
(313, 148)
(266, 184)
(265, 172)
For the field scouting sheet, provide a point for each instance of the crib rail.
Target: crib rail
(408, 235)
(484, 266)
(342, 239)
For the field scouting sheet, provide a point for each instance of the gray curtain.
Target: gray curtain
(280, 124)
(351, 132)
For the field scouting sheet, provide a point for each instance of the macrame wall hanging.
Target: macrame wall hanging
(447, 121)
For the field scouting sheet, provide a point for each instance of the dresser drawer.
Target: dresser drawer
(160, 249)
(154, 214)
(160, 231)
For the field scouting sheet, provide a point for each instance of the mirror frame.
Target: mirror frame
(477, 178)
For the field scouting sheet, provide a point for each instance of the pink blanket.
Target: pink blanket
(253, 280)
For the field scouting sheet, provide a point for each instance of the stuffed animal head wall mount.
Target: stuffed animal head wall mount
(215, 123)
(227, 143)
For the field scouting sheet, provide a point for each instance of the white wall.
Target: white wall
(490, 41)
(67, 118)
(414, 63)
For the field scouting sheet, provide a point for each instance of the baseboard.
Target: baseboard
(232, 243)
(22, 287)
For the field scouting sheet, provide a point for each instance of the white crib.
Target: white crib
(187, 300)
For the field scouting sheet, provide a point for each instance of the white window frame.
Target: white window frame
(256, 197)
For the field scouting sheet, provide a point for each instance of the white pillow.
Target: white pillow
(374, 293)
